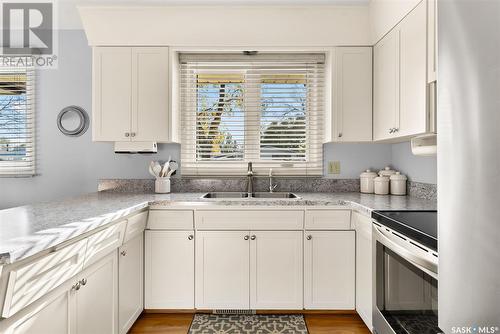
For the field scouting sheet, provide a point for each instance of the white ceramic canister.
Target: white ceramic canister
(381, 185)
(366, 181)
(398, 184)
(387, 171)
(162, 185)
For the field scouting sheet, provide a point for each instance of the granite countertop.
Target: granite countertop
(30, 229)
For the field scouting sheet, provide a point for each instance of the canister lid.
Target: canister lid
(398, 176)
(381, 179)
(368, 173)
(387, 171)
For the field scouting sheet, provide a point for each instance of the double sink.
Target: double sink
(251, 195)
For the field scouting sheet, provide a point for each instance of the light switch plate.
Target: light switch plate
(334, 167)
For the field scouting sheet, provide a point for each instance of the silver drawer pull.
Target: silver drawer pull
(253, 237)
(123, 253)
(246, 237)
(83, 281)
(191, 237)
(309, 237)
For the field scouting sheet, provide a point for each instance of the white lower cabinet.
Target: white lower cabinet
(96, 299)
(249, 269)
(169, 270)
(364, 273)
(329, 273)
(49, 315)
(222, 270)
(130, 282)
(85, 304)
(276, 270)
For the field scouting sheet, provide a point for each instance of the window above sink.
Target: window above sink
(261, 107)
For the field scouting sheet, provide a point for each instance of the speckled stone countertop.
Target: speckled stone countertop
(28, 230)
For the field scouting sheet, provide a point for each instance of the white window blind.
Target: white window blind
(17, 119)
(263, 108)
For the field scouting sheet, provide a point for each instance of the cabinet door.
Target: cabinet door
(413, 76)
(48, 315)
(96, 300)
(111, 83)
(150, 93)
(130, 283)
(276, 270)
(353, 98)
(329, 275)
(386, 86)
(222, 270)
(364, 273)
(169, 269)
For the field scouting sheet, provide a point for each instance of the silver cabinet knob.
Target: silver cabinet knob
(83, 281)
(396, 129)
(190, 237)
(340, 134)
(76, 286)
(391, 130)
(309, 237)
(132, 134)
(253, 237)
(123, 253)
(246, 237)
(127, 134)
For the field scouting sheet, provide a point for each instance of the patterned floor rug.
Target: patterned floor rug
(248, 324)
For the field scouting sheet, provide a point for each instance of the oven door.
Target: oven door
(405, 285)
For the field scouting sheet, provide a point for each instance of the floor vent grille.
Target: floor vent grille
(233, 312)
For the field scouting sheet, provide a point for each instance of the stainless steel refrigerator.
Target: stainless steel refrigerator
(469, 165)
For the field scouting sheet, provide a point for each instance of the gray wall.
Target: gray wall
(417, 168)
(71, 166)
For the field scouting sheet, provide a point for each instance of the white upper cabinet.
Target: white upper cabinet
(400, 79)
(130, 94)
(413, 73)
(111, 89)
(386, 86)
(352, 97)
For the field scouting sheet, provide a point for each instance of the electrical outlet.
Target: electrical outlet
(334, 167)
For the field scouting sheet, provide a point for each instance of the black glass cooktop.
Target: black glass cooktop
(420, 226)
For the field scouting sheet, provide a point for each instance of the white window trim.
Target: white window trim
(30, 81)
(237, 169)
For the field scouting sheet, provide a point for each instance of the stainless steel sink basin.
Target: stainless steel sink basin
(274, 195)
(245, 195)
(227, 194)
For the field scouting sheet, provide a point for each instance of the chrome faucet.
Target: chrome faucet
(271, 185)
(250, 180)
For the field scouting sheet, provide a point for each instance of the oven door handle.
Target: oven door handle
(419, 261)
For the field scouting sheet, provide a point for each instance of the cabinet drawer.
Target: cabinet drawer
(135, 225)
(32, 281)
(170, 220)
(104, 242)
(328, 220)
(250, 220)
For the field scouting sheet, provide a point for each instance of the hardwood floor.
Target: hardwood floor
(178, 323)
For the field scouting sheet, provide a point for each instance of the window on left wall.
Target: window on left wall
(17, 120)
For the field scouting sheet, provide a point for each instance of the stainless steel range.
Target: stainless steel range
(405, 265)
